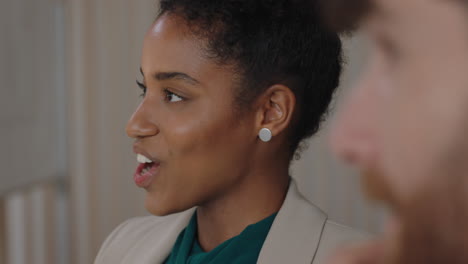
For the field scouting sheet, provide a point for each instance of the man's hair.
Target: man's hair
(344, 15)
(270, 42)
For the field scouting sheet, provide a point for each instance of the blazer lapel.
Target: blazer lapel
(295, 234)
(158, 243)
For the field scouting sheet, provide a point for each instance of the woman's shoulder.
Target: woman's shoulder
(135, 228)
(336, 231)
(335, 236)
(132, 237)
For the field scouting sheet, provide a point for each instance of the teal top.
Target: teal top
(243, 248)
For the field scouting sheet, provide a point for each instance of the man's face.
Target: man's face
(404, 123)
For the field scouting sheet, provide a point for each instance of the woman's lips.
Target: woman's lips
(145, 173)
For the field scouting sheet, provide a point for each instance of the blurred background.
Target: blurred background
(67, 69)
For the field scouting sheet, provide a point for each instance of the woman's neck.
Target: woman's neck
(256, 197)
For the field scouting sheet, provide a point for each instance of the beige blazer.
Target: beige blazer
(300, 233)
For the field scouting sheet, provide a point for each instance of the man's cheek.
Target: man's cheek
(376, 187)
(366, 253)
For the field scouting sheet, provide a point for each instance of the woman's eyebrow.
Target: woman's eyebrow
(163, 76)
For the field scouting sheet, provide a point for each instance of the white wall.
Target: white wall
(32, 105)
(36, 224)
(32, 135)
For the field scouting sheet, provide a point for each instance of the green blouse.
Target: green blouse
(243, 248)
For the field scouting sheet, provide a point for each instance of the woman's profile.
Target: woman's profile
(230, 89)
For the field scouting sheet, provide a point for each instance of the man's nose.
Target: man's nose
(352, 136)
(141, 124)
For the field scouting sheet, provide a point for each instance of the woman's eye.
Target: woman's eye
(142, 87)
(172, 97)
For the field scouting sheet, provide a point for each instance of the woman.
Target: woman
(230, 89)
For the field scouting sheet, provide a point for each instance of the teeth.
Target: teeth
(143, 159)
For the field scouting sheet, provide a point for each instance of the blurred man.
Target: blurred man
(405, 126)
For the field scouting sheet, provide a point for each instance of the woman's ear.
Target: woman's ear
(276, 109)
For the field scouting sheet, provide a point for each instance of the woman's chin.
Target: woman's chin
(162, 207)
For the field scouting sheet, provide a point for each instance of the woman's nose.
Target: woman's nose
(140, 124)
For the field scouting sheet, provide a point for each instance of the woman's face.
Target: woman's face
(186, 122)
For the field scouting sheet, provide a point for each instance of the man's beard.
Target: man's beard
(433, 224)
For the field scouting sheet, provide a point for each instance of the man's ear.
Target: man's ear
(276, 109)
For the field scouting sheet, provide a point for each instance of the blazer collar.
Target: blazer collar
(162, 247)
(295, 233)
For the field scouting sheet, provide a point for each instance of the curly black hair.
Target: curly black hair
(270, 42)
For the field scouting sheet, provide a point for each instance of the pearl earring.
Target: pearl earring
(265, 134)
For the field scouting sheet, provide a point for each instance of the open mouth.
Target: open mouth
(145, 172)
